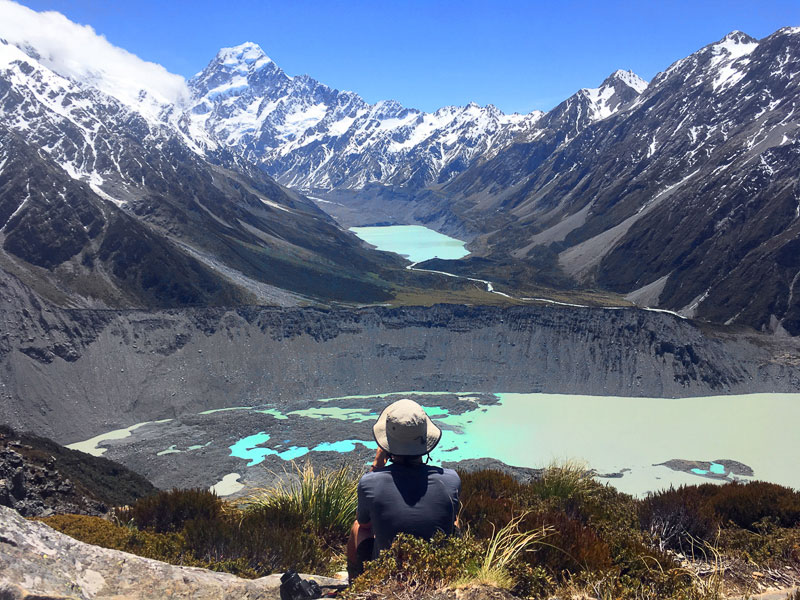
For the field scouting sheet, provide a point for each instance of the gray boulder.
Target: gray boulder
(39, 562)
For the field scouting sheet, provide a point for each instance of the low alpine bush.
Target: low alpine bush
(169, 510)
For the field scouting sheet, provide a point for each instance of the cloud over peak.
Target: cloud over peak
(80, 53)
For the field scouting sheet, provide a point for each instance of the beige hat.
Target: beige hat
(403, 429)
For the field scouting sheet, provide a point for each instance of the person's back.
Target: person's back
(411, 498)
(407, 496)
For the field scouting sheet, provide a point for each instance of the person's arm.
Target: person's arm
(457, 501)
(362, 527)
(381, 456)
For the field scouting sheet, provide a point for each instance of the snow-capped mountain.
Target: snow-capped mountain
(308, 135)
(681, 193)
(102, 205)
(687, 198)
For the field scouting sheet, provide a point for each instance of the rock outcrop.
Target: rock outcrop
(38, 562)
(39, 477)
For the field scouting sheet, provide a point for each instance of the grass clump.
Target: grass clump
(325, 500)
(565, 483)
(503, 550)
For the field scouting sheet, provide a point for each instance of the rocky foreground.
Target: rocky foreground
(38, 562)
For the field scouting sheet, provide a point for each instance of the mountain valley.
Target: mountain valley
(167, 250)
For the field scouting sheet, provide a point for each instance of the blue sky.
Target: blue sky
(519, 55)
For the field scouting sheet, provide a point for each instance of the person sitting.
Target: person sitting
(408, 496)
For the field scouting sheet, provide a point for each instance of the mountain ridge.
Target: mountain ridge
(580, 193)
(688, 189)
(103, 207)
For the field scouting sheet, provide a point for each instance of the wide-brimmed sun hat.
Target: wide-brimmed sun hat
(403, 429)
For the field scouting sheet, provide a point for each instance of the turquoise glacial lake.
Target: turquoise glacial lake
(415, 242)
(611, 434)
(607, 433)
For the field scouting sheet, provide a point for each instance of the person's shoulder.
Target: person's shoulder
(370, 477)
(444, 472)
(450, 474)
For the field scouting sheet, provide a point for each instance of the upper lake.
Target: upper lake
(415, 242)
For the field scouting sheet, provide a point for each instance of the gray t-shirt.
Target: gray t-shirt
(415, 499)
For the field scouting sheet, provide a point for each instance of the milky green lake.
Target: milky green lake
(609, 434)
(415, 242)
(616, 434)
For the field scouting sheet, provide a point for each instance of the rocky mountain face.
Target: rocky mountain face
(686, 198)
(310, 136)
(39, 477)
(105, 206)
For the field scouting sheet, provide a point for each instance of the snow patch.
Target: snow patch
(105, 196)
(728, 57)
(274, 204)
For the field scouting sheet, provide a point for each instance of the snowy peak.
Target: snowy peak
(736, 38)
(617, 90)
(312, 136)
(233, 70)
(628, 78)
(732, 47)
(246, 54)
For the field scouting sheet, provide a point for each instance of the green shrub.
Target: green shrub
(769, 545)
(678, 518)
(747, 504)
(419, 565)
(530, 581)
(570, 548)
(168, 511)
(640, 570)
(100, 532)
(263, 540)
(252, 543)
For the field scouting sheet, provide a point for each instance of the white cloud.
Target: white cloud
(78, 52)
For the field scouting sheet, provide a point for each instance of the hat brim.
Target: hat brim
(398, 448)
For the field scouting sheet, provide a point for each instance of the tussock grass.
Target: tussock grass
(503, 548)
(565, 480)
(325, 499)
